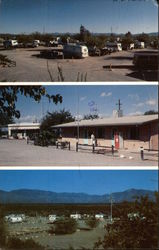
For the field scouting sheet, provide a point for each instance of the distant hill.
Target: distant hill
(40, 196)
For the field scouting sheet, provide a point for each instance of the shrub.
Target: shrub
(17, 244)
(64, 226)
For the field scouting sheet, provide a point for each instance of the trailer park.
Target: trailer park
(74, 60)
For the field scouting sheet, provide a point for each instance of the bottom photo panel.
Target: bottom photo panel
(78, 209)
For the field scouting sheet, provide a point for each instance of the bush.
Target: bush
(17, 244)
(64, 226)
(92, 222)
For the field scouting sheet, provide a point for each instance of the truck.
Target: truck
(75, 51)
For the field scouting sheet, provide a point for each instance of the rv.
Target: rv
(75, 51)
(76, 216)
(10, 44)
(139, 45)
(114, 46)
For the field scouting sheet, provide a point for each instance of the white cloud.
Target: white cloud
(78, 117)
(83, 98)
(139, 105)
(135, 113)
(151, 102)
(104, 94)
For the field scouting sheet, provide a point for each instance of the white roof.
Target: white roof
(26, 124)
(111, 121)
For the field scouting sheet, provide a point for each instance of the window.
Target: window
(101, 133)
(134, 133)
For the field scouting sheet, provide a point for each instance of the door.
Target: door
(116, 139)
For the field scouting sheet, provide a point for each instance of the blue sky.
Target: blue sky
(87, 181)
(19, 16)
(135, 99)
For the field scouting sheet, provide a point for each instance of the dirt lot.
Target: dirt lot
(18, 153)
(36, 228)
(30, 68)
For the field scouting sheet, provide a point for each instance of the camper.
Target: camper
(114, 46)
(76, 216)
(8, 44)
(75, 51)
(139, 45)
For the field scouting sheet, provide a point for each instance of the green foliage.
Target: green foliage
(9, 96)
(135, 232)
(5, 119)
(144, 38)
(55, 118)
(92, 222)
(90, 116)
(64, 226)
(151, 112)
(2, 229)
(17, 244)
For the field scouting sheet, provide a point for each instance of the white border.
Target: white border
(75, 83)
(60, 168)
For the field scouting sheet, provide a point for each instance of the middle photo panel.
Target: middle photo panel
(75, 125)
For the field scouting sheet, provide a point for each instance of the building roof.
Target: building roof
(24, 124)
(111, 121)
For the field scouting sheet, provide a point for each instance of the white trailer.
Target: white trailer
(75, 51)
(10, 44)
(114, 46)
(76, 216)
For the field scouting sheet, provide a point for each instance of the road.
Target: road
(18, 153)
(30, 68)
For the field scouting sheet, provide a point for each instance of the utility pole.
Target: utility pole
(119, 104)
(111, 208)
(78, 117)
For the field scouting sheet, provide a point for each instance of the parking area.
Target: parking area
(30, 68)
(19, 153)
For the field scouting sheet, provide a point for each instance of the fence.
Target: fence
(95, 149)
(148, 154)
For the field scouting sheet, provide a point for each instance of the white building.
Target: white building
(76, 216)
(22, 130)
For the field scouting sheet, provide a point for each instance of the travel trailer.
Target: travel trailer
(75, 51)
(139, 45)
(10, 44)
(114, 46)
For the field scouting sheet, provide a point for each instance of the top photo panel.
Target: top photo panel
(78, 40)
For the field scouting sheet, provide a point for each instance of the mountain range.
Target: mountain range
(44, 197)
